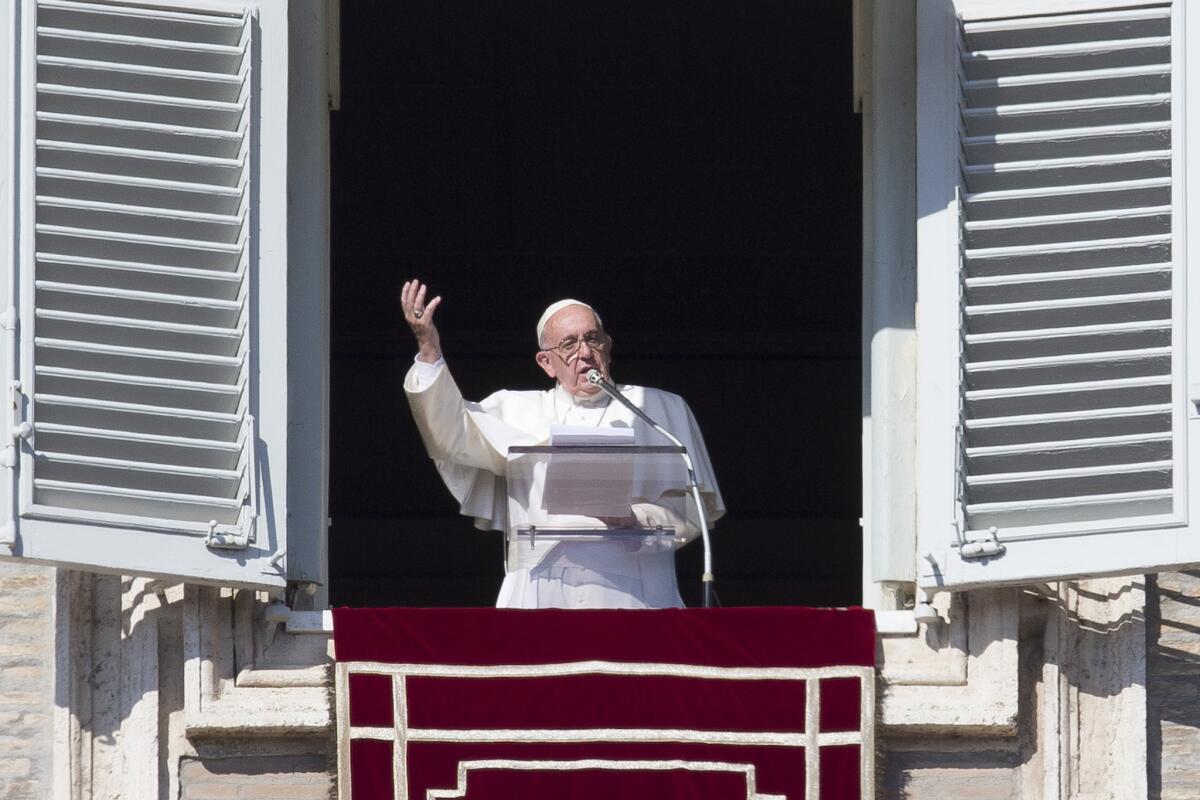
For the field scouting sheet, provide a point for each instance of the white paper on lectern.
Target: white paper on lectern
(588, 484)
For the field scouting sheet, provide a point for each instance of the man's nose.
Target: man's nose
(585, 349)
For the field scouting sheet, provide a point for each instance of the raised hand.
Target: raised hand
(419, 317)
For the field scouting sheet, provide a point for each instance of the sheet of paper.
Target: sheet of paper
(589, 484)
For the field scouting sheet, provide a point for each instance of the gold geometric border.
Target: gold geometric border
(810, 739)
(465, 767)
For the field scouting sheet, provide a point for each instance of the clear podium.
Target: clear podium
(619, 499)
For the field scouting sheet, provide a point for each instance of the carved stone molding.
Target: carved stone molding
(243, 676)
(959, 676)
(147, 674)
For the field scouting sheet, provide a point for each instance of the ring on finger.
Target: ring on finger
(418, 312)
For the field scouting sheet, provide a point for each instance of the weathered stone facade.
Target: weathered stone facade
(268, 777)
(26, 681)
(1173, 696)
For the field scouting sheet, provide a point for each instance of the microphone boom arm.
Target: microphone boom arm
(596, 379)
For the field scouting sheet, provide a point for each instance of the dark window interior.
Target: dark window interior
(691, 169)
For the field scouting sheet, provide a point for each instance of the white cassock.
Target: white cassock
(469, 444)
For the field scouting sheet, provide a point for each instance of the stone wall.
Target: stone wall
(1081, 716)
(268, 777)
(26, 682)
(1173, 696)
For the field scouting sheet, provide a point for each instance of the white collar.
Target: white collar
(567, 400)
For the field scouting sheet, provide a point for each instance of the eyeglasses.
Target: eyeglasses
(595, 340)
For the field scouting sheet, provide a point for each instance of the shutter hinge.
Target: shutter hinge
(18, 427)
(982, 548)
(236, 537)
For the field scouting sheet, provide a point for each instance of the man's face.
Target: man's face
(575, 324)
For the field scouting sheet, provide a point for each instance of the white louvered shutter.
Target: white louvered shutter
(1053, 431)
(149, 286)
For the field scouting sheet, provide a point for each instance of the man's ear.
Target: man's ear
(542, 357)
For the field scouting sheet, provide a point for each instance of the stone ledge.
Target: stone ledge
(244, 677)
(959, 677)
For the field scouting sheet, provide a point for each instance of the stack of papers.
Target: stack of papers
(589, 484)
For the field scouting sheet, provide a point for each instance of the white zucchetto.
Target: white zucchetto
(556, 307)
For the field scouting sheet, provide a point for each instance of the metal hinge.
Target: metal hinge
(982, 548)
(18, 427)
(234, 537)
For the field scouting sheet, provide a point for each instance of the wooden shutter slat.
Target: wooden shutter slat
(1107, 215)
(1069, 444)
(975, 201)
(157, 467)
(1067, 302)
(1118, 504)
(185, 45)
(198, 396)
(169, 270)
(141, 380)
(1071, 76)
(1024, 25)
(973, 395)
(141, 324)
(136, 153)
(136, 295)
(1064, 359)
(191, 134)
(1062, 474)
(142, 12)
(1066, 275)
(1090, 48)
(1061, 134)
(138, 437)
(157, 213)
(1069, 416)
(103, 235)
(123, 494)
(183, 358)
(140, 70)
(118, 96)
(138, 408)
(177, 187)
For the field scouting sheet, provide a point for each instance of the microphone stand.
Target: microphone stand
(596, 379)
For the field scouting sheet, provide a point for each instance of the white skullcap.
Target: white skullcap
(553, 309)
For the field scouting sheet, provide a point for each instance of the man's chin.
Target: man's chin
(583, 389)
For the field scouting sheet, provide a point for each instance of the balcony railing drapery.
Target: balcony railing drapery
(698, 703)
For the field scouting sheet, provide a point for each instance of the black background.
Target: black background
(691, 169)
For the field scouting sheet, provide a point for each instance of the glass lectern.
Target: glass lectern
(627, 498)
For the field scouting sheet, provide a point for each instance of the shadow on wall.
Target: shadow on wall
(1173, 678)
(120, 672)
(1081, 650)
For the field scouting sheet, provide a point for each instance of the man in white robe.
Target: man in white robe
(469, 444)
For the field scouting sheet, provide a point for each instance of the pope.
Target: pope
(469, 443)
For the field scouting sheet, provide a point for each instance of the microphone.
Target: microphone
(595, 378)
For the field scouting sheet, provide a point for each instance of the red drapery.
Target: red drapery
(679, 703)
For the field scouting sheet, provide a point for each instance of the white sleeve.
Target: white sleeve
(425, 373)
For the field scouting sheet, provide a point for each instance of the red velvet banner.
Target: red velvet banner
(740, 703)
